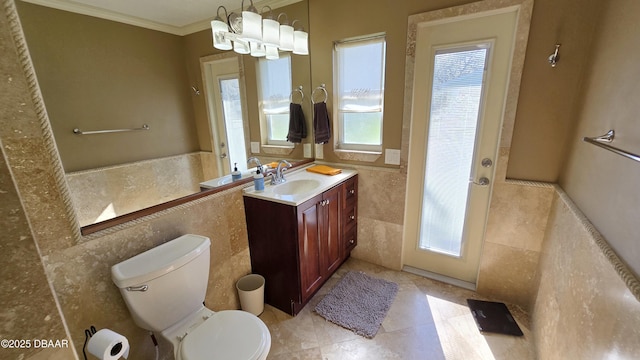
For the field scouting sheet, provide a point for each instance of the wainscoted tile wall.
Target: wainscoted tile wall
(104, 193)
(514, 235)
(381, 199)
(29, 308)
(583, 309)
(82, 278)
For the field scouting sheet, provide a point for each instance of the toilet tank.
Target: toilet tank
(165, 284)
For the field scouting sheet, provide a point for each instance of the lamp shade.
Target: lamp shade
(241, 47)
(218, 28)
(272, 52)
(270, 32)
(257, 49)
(251, 26)
(286, 37)
(300, 43)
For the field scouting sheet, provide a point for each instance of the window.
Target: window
(274, 78)
(359, 82)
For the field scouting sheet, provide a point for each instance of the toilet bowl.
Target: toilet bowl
(164, 289)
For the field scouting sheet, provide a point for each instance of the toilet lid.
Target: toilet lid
(229, 334)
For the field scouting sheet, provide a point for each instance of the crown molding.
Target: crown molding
(145, 23)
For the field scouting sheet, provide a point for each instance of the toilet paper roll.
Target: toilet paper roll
(108, 345)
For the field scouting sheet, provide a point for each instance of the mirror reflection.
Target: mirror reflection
(204, 108)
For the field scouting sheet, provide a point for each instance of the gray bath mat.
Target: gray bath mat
(358, 302)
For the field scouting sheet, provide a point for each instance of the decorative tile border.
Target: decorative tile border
(15, 29)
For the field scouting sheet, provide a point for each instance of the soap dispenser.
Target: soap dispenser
(258, 180)
(235, 174)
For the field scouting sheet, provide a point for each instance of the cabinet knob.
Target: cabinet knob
(352, 217)
(352, 241)
(324, 202)
(352, 191)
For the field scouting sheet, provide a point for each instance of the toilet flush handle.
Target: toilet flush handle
(138, 288)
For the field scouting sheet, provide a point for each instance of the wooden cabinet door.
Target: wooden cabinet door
(330, 234)
(309, 246)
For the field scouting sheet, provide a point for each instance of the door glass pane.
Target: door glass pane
(458, 77)
(232, 113)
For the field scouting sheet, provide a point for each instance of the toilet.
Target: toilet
(164, 289)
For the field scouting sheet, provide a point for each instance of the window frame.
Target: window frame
(339, 112)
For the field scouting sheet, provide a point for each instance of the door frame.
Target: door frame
(524, 10)
(206, 63)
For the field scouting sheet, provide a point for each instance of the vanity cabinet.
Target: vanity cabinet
(297, 248)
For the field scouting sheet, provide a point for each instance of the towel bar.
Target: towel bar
(603, 142)
(80, 132)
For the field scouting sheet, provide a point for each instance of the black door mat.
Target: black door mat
(493, 317)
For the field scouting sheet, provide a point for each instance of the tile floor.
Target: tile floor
(428, 320)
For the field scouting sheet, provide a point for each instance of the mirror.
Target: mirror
(97, 74)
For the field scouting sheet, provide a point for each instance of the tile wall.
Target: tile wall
(583, 309)
(104, 193)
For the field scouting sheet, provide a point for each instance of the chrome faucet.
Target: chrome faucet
(258, 164)
(278, 177)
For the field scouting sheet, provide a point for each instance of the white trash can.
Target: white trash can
(251, 293)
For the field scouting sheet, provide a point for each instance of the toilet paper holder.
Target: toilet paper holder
(105, 344)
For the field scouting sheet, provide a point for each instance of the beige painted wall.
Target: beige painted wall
(549, 96)
(605, 185)
(97, 74)
(546, 106)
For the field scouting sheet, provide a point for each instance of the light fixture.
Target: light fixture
(256, 34)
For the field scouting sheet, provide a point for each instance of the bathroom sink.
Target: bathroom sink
(296, 187)
(301, 185)
(225, 180)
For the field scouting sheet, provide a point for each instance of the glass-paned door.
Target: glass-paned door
(460, 82)
(227, 113)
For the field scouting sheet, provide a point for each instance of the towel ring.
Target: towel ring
(297, 90)
(321, 87)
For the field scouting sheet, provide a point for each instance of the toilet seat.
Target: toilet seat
(229, 334)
